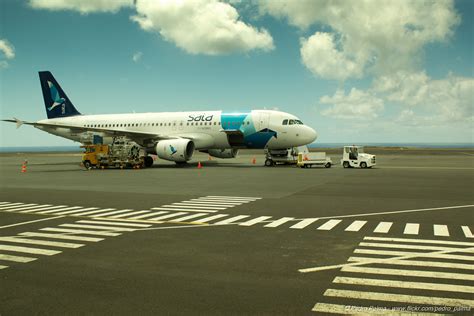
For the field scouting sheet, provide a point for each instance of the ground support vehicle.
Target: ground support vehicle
(120, 154)
(354, 157)
(287, 156)
(314, 159)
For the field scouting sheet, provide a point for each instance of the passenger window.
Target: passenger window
(285, 122)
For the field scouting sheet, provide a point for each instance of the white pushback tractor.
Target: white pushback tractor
(354, 157)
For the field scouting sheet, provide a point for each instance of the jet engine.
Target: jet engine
(177, 150)
(223, 153)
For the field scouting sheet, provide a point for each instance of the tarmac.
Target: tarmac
(238, 238)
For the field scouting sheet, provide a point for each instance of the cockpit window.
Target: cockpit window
(285, 122)
(299, 122)
(292, 122)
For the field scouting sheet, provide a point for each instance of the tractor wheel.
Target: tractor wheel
(346, 164)
(363, 165)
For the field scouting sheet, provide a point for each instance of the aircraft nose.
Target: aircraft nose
(311, 135)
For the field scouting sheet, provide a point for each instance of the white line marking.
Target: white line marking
(61, 236)
(414, 299)
(279, 222)
(417, 247)
(16, 258)
(411, 229)
(22, 240)
(12, 205)
(112, 213)
(302, 224)
(30, 222)
(255, 221)
(234, 197)
(441, 230)
(129, 214)
(414, 263)
(97, 227)
(329, 224)
(405, 284)
(189, 205)
(415, 273)
(60, 209)
(36, 251)
(231, 220)
(3, 267)
(167, 216)
(410, 253)
(422, 241)
(3, 203)
(210, 218)
(34, 208)
(347, 310)
(101, 222)
(71, 213)
(43, 208)
(148, 215)
(80, 231)
(383, 227)
(355, 226)
(214, 202)
(185, 218)
(467, 232)
(20, 207)
(181, 209)
(94, 212)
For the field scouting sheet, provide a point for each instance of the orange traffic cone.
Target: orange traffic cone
(199, 165)
(23, 166)
(254, 161)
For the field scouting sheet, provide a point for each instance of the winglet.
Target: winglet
(18, 122)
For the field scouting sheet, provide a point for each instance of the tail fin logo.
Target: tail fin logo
(57, 100)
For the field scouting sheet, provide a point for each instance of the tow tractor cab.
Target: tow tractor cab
(354, 157)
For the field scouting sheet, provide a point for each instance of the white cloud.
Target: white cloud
(137, 56)
(82, 6)
(380, 36)
(8, 52)
(201, 26)
(356, 105)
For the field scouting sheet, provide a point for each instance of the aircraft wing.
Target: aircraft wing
(142, 138)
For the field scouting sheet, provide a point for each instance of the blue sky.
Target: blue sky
(380, 71)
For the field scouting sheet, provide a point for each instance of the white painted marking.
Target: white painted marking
(101, 222)
(415, 273)
(22, 240)
(32, 208)
(3, 203)
(414, 263)
(305, 222)
(29, 222)
(405, 284)
(214, 202)
(60, 209)
(417, 247)
(422, 241)
(231, 220)
(467, 232)
(441, 230)
(3, 267)
(16, 258)
(411, 253)
(255, 221)
(61, 236)
(279, 222)
(94, 212)
(402, 298)
(36, 251)
(411, 229)
(198, 206)
(19, 207)
(383, 227)
(167, 216)
(210, 218)
(43, 208)
(182, 209)
(26, 207)
(112, 213)
(355, 226)
(71, 213)
(329, 224)
(97, 227)
(129, 214)
(148, 215)
(80, 231)
(185, 218)
(234, 197)
(10, 205)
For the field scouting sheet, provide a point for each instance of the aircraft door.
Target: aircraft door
(263, 121)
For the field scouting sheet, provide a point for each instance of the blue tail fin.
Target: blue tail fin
(55, 100)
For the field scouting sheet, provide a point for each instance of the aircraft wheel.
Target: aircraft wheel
(148, 161)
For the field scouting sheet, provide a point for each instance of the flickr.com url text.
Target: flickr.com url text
(408, 308)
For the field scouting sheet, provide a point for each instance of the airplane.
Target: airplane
(172, 136)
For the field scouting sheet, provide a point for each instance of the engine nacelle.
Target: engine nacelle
(178, 150)
(223, 153)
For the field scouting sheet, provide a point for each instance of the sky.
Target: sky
(397, 71)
